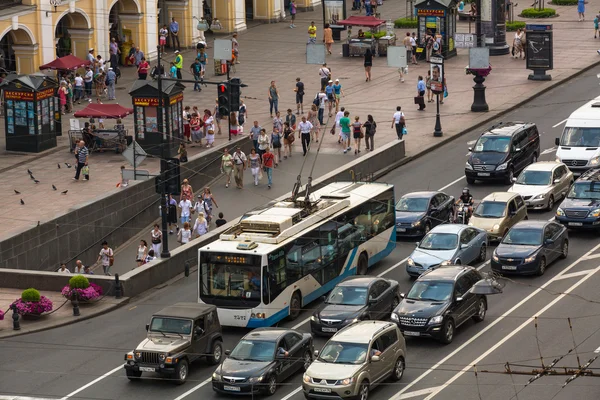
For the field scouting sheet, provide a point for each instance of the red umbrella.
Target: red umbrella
(104, 111)
(66, 63)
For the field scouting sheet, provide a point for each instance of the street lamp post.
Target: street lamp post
(437, 87)
(163, 173)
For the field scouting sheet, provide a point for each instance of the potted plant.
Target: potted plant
(32, 304)
(81, 286)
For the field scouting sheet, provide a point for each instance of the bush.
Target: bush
(535, 13)
(30, 295)
(513, 26)
(565, 2)
(405, 23)
(378, 35)
(79, 282)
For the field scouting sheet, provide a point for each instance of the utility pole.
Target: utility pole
(163, 173)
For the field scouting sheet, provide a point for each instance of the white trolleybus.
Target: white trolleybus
(284, 255)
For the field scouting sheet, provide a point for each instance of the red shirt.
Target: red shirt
(143, 67)
(268, 159)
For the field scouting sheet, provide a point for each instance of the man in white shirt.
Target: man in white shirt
(413, 44)
(322, 101)
(324, 73)
(399, 122)
(88, 81)
(239, 161)
(79, 268)
(78, 88)
(339, 116)
(304, 129)
(63, 269)
(185, 206)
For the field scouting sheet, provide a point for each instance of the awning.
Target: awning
(103, 111)
(356, 20)
(66, 63)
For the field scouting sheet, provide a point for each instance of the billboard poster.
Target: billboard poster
(334, 11)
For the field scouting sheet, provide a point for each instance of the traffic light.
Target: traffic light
(172, 183)
(236, 92)
(223, 98)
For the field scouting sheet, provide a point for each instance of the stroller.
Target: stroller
(154, 72)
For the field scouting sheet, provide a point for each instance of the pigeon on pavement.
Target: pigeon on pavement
(16, 191)
(54, 187)
(22, 202)
(65, 192)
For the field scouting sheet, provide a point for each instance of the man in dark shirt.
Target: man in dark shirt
(299, 96)
(221, 221)
(196, 69)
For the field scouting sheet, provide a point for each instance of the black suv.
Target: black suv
(581, 208)
(503, 151)
(439, 302)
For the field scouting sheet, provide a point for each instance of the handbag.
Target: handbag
(85, 170)
(362, 134)
(291, 138)
(332, 130)
(404, 131)
(445, 92)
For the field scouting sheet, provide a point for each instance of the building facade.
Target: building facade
(34, 32)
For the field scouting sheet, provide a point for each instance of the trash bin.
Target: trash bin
(337, 33)
(220, 68)
(345, 50)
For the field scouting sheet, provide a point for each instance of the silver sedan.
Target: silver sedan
(542, 184)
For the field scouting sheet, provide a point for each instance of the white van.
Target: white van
(579, 144)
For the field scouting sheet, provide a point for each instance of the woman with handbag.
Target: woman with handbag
(107, 256)
(357, 134)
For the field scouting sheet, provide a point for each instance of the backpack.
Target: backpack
(317, 101)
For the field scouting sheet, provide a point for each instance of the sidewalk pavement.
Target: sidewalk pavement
(276, 52)
(62, 315)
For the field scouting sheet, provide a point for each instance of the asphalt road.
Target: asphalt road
(84, 360)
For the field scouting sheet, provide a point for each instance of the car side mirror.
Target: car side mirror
(199, 331)
(417, 244)
(316, 353)
(470, 149)
(557, 141)
(514, 179)
(518, 150)
(147, 327)
(324, 298)
(372, 301)
(402, 295)
(227, 352)
(548, 241)
(375, 359)
(557, 180)
(459, 299)
(280, 355)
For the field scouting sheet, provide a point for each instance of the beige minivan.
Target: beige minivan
(356, 359)
(498, 212)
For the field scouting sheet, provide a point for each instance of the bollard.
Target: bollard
(118, 288)
(75, 303)
(15, 317)
(187, 269)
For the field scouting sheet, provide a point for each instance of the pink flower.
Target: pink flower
(91, 292)
(32, 307)
(1, 315)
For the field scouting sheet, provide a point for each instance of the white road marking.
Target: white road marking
(418, 393)
(451, 183)
(491, 326)
(560, 123)
(514, 332)
(81, 389)
(468, 154)
(192, 390)
(548, 151)
(292, 393)
(10, 397)
(482, 266)
(597, 350)
(591, 257)
(575, 274)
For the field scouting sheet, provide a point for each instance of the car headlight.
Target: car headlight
(502, 166)
(255, 379)
(314, 318)
(306, 378)
(470, 223)
(531, 258)
(216, 376)
(394, 317)
(560, 212)
(447, 262)
(595, 213)
(416, 223)
(468, 165)
(410, 262)
(138, 354)
(351, 320)
(558, 159)
(495, 227)
(436, 320)
(540, 196)
(162, 357)
(495, 257)
(594, 161)
(346, 381)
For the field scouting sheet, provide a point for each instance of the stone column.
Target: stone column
(183, 15)
(81, 41)
(134, 23)
(309, 5)
(46, 38)
(26, 58)
(269, 10)
(231, 14)
(150, 19)
(101, 28)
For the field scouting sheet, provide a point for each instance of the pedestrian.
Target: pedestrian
(142, 69)
(337, 89)
(182, 152)
(357, 134)
(63, 269)
(201, 225)
(312, 33)
(299, 89)
(278, 122)
(399, 122)
(276, 138)
(111, 78)
(82, 154)
(290, 118)
(254, 133)
(174, 28)
(208, 199)
(325, 75)
(242, 114)
(202, 57)
(233, 124)
(421, 93)
(268, 160)
(196, 128)
(322, 97)
(162, 38)
(304, 131)
(186, 206)
(151, 256)
(142, 252)
(220, 221)
(216, 116)
(293, 11)
(263, 142)
(210, 137)
(185, 235)
(581, 9)
(79, 268)
(239, 161)
(172, 71)
(78, 88)
(227, 166)
(596, 21)
(172, 214)
(368, 64)
(196, 70)
(408, 47)
(187, 130)
(328, 37)
(107, 256)
(428, 86)
(235, 47)
(288, 139)
(92, 59)
(330, 93)
(413, 43)
(62, 96)
(187, 193)
(88, 82)
(517, 51)
(428, 44)
(178, 63)
(314, 121)
(370, 130)
(88, 270)
(338, 116)
(114, 48)
(255, 164)
(138, 56)
(273, 98)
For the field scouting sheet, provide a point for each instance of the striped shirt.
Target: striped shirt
(82, 154)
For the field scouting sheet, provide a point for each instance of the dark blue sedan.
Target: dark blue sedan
(529, 247)
(418, 212)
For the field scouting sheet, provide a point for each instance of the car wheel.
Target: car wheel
(271, 386)
(542, 266)
(395, 303)
(133, 375)
(363, 392)
(482, 253)
(510, 176)
(398, 369)
(458, 262)
(181, 372)
(481, 310)
(470, 181)
(565, 249)
(363, 265)
(550, 203)
(295, 306)
(448, 332)
(216, 354)
(307, 360)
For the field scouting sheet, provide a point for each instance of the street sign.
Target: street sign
(479, 58)
(396, 56)
(134, 154)
(464, 40)
(222, 49)
(315, 54)
(539, 53)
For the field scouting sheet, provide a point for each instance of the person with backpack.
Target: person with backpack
(370, 129)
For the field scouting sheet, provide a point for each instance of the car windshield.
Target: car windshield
(430, 291)
(254, 350)
(171, 325)
(523, 237)
(490, 209)
(348, 296)
(439, 241)
(412, 204)
(492, 144)
(580, 137)
(585, 190)
(344, 353)
(535, 178)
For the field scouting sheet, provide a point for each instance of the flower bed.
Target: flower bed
(513, 26)
(535, 13)
(33, 307)
(478, 71)
(85, 290)
(406, 23)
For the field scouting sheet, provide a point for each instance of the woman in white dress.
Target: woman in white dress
(142, 252)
